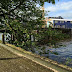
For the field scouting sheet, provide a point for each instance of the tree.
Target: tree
(7, 7)
(21, 16)
(23, 23)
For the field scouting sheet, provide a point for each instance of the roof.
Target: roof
(59, 17)
(63, 19)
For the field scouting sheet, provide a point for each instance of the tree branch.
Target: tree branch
(21, 2)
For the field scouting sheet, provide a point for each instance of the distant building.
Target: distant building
(62, 23)
(58, 22)
(59, 17)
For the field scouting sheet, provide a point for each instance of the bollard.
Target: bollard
(3, 39)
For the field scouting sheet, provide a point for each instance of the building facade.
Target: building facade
(58, 23)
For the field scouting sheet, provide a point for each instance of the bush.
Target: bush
(51, 36)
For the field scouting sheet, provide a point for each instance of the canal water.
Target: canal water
(64, 53)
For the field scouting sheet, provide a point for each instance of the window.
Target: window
(58, 26)
(71, 22)
(61, 21)
(56, 21)
(65, 21)
(63, 26)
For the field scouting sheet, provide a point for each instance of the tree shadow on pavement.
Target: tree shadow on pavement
(10, 58)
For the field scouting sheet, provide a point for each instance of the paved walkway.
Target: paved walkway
(15, 63)
(10, 62)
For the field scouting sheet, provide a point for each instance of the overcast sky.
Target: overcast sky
(61, 8)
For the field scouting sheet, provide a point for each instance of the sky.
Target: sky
(60, 8)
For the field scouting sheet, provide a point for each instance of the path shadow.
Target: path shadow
(10, 58)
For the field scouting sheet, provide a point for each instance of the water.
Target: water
(64, 53)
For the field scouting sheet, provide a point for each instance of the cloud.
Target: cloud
(66, 15)
(60, 6)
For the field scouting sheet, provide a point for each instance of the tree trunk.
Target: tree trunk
(3, 39)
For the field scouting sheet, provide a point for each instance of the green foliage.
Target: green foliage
(27, 20)
(47, 52)
(55, 53)
(13, 8)
(41, 2)
(43, 48)
(33, 44)
(50, 37)
(68, 61)
(40, 53)
(21, 18)
(22, 30)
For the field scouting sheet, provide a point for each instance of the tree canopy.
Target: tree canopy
(22, 16)
(4, 2)
(8, 7)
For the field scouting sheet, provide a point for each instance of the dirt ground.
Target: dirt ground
(10, 62)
